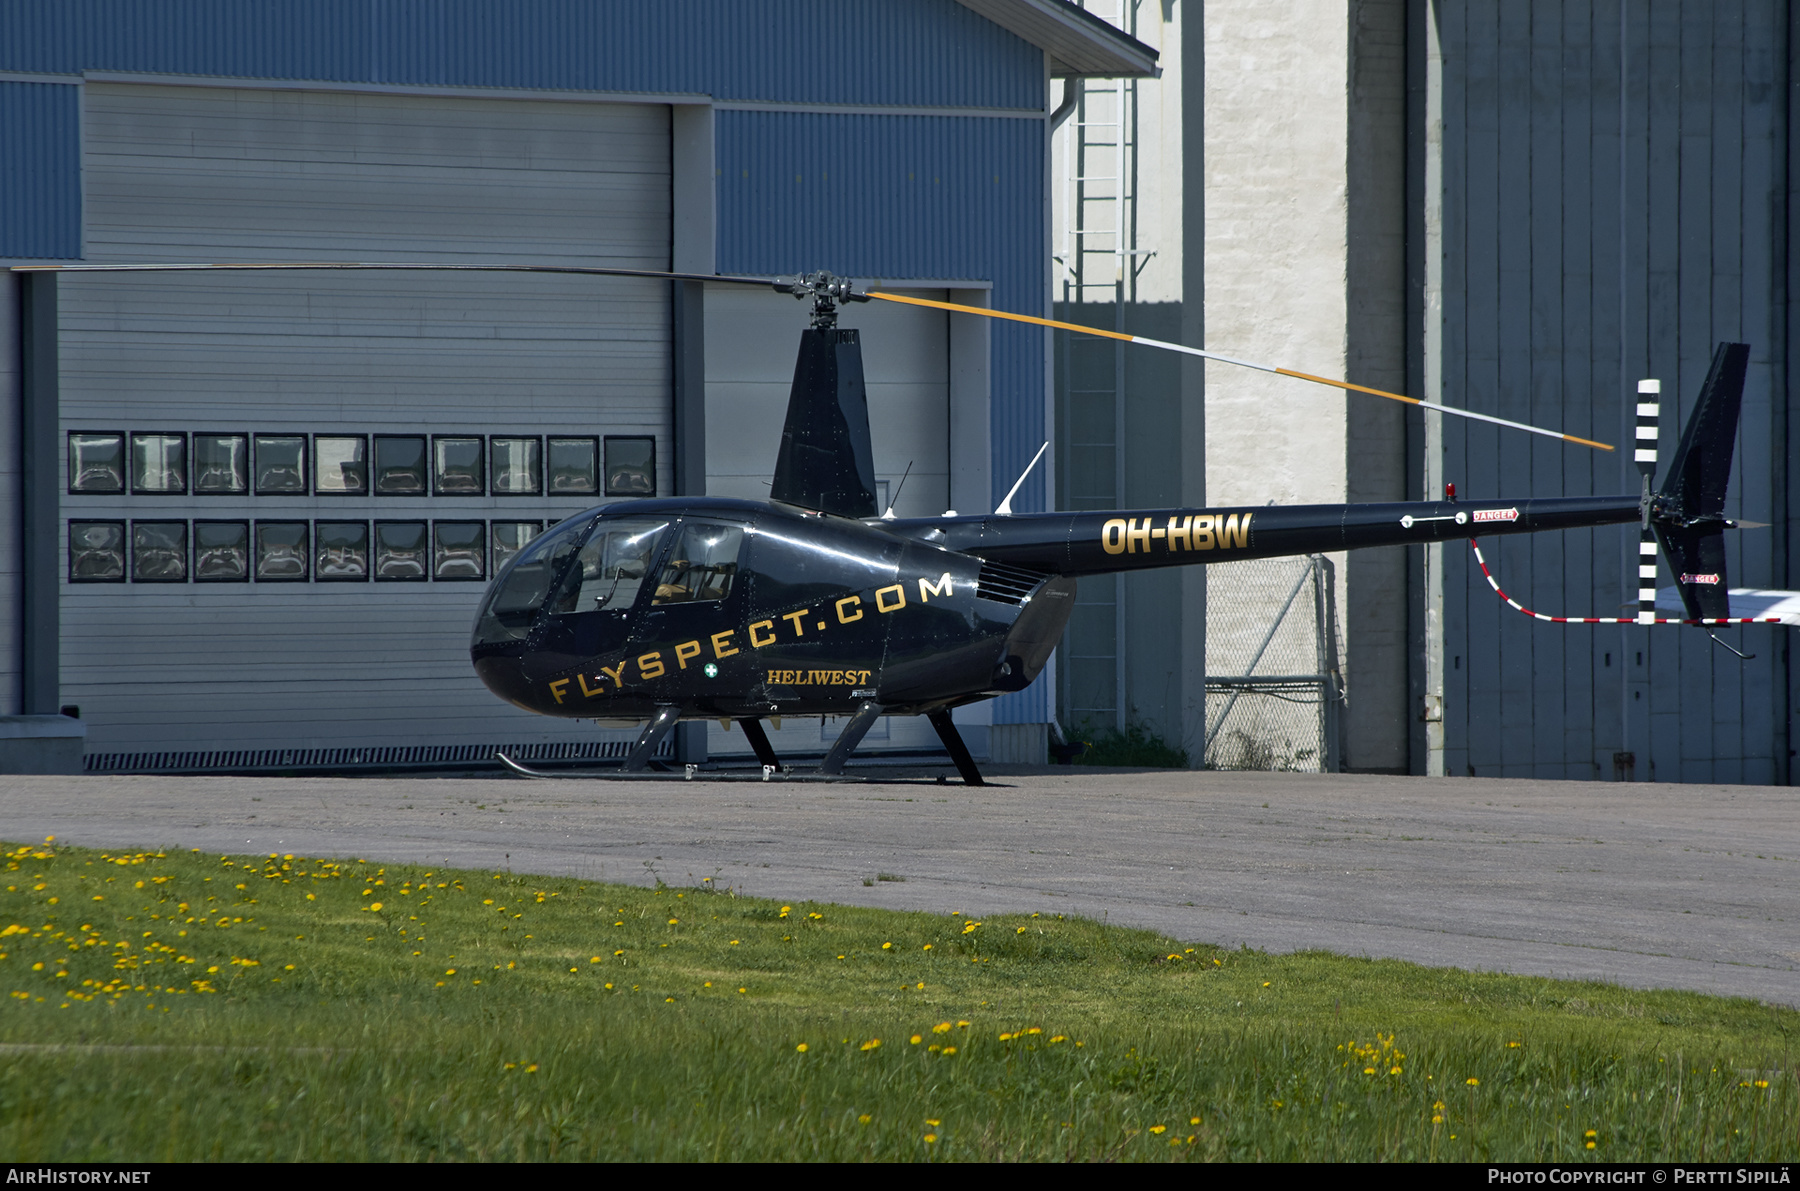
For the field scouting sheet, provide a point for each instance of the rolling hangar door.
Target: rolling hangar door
(284, 492)
(751, 341)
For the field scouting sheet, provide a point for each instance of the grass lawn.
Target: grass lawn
(178, 1005)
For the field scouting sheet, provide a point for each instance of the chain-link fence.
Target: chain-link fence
(1274, 690)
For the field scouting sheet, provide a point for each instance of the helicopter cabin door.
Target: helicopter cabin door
(689, 645)
(588, 621)
(823, 597)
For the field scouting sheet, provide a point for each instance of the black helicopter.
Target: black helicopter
(811, 603)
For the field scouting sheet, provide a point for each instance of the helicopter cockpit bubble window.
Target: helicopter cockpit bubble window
(510, 537)
(280, 464)
(159, 463)
(522, 589)
(613, 565)
(221, 464)
(702, 565)
(96, 463)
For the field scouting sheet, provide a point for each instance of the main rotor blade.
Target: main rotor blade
(591, 270)
(1223, 359)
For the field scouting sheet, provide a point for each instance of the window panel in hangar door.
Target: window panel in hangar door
(694, 619)
(813, 600)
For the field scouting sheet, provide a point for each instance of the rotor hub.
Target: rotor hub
(826, 290)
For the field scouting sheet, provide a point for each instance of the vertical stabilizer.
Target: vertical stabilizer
(826, 461)
(1690, 509)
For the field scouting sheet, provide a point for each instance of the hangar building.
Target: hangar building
(245, 519)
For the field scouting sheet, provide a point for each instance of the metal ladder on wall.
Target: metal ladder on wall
(1097, 253)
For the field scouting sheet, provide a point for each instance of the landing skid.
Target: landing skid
(689, 773)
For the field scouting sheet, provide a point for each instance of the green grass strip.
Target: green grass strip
(176, 1005)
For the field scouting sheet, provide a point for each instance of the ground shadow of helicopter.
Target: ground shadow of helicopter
(811, 603)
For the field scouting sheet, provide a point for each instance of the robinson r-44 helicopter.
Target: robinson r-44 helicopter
(815, 603)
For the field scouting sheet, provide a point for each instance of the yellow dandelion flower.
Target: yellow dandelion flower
(1590, 1145)
(931, 1139)
(609, 987)
(1472, 1082)
(1193, 1120)
(449, 971)
(1592, 1133)
(917, 1038)
(674, 922)
(375, 906)
(887, 946)
(1158, 1128)
(864, 1119)
(872, 1044)
(801, 1048)
(949, 1050)
(927, 947)
(734, 942)
(743, 990)
(530, 1068)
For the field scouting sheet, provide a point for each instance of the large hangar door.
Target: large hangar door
(522, 374)
(752, 337)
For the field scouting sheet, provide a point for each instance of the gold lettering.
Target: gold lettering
(1237, 531)
(686, 650)
(556, 688)
(1179, 532)
(942, 587)
(854, 602)
(796, 617)
(1203, 531)
(881, 604)
(649, 660)
(1112, 536)
(758, 642)
(718, 644)
(616, 673)
(1135, 534)
(599, 690)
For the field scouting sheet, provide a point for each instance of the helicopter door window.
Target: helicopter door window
(573, 465)
(280, 465)
(341, 551)
(459, 550)
(221, 464)
(96, 463)
(399, 465)
(401, 553)
(510, 537)
(518, 466)
(340, 464)
(702, 565)
(613, 566)
(630, 465)
(96, 552)
(456, 466)
(281, 552)
(221, 551)
(523, 588)
(159, 463)
(159, 552)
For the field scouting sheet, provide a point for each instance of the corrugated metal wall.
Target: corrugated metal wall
(40, 170)
(796, 51)
(1570, 271)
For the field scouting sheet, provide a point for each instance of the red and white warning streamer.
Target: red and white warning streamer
(1489, 576)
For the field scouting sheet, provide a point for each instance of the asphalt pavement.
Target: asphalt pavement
(1645, 885)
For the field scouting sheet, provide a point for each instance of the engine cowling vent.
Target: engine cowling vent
(1007, 585)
